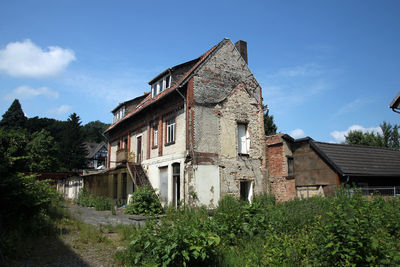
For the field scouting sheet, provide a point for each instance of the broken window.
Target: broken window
(170, 131)
(243, 139)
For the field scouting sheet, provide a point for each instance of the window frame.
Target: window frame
(239, 140)
(170, 135)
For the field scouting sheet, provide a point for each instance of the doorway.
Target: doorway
(139, 149)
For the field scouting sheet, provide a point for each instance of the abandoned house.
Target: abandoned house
(304, 168)
(97, 155)
(198, 134)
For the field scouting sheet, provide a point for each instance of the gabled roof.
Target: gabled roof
(395, 105)
(93, 148)
(355, 160)
(148, 101)
(136, 99)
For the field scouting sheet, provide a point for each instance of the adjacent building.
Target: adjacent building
(304, 168)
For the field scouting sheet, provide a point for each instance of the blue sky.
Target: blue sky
(325, 66)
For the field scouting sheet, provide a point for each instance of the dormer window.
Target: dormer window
(160, 85)
(119, 114)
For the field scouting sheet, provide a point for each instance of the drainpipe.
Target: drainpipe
(184, 119)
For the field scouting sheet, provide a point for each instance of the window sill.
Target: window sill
(170, 143)
(154, 147)
(290, 177)
(244, 155)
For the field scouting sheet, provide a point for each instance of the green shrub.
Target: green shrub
(183, 237)
(85, 198)
(144, 201)
(103, 203)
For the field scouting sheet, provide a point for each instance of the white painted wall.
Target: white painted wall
(152, 168)
(207, 185)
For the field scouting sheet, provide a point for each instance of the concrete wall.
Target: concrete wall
(70, 187)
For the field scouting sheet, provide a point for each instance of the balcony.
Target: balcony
(122, 155)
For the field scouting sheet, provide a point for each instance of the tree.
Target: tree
(388, 139)
(94, 130)
(42, 152)
(73, 151)
(269, 126)
(14, 117)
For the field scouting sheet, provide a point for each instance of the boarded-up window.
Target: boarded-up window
(164, 184)
(290, 166)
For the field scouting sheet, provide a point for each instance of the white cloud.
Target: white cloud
(60, 110)
(298, 133)
(26, 59)
(339, 136)
(25, 92)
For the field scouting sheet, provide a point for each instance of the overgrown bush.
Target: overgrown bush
(103, 203)
(345, 230)
(144, 201)
(183, 237)
(85, 198)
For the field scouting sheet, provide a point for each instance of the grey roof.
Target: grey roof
(93, 148)
(396, 102)
(354, 160)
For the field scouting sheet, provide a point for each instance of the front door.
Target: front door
(139, 149)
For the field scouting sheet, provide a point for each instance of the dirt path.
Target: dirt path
(87, 241)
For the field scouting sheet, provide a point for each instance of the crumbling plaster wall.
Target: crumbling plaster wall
(225, 94)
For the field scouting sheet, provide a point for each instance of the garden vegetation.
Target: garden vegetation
(345, 230)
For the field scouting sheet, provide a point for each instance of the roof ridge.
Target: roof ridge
(353, 145)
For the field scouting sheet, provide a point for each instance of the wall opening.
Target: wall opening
(115, 187)
(176, 171)
(246, 190)
(124, 186)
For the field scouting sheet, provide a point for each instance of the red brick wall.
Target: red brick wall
(283, 188)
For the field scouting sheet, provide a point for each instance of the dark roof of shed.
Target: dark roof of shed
(354, 160)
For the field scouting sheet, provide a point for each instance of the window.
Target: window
(167, 82)
(290, 166)
(170, 131)
(155, 134)
(246, 190)
(164, 184)
(243, 139)
(160, 85)
(119, 114)
(124, 184)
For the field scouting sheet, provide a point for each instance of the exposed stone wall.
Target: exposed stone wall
(282, 186)
(225, 94)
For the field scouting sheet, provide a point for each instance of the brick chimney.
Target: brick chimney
(241, 46)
